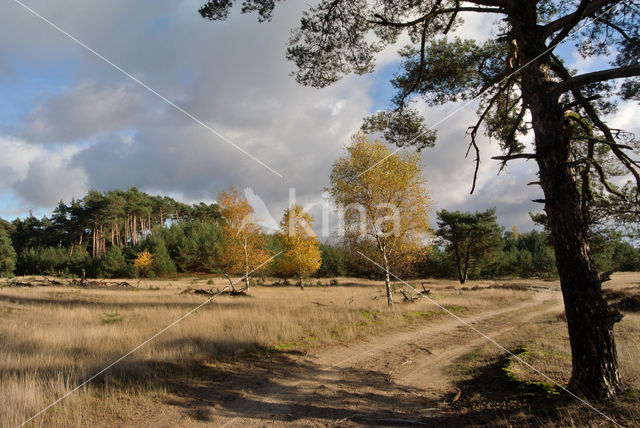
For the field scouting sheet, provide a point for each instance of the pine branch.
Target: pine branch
(576, 82)
(381, 20)
(627, 37)
(562, 23)
(570, 22)
(631, 165)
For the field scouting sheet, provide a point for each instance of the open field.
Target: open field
(328, 355)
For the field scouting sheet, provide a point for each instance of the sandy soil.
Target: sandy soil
(397, 379)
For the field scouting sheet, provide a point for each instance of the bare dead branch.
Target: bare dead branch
(452, 19)
(230, 282)
(603, 180)
(507, 158)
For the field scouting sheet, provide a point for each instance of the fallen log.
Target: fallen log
(117, 284)
(606, 276)
(211, 292)
(408, 299)
(53, 281)
(22, 284)
(425, 292)
(198, 291)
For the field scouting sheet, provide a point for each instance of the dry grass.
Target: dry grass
(55, 337)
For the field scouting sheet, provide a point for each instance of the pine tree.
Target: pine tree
(472, 239)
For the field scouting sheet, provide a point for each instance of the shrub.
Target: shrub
(7, 255)
(626, 257)
(162, 264)
(143, 262)
(43, 261)
(334, 261)
(113, 264)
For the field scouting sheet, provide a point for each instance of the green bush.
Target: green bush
(113, 264)
(43, 261)
(193, 246)
(162, 264)
(439, 264)
(81, 260)
(626, 257)
(7, 255)
(334, 261)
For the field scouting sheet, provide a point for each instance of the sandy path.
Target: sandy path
(399, 378)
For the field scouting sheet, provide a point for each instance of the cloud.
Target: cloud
(16, 157)
(40, 176)
(49, 179)
(232, 76)
(84, 111)
(626, 117)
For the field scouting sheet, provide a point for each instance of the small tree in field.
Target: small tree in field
(300, 248)
(244, 245)
(143, 262)
(384, 201)
(470, 238)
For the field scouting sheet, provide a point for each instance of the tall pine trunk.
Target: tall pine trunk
(589, 318)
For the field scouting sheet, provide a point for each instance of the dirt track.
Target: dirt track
(397, 379)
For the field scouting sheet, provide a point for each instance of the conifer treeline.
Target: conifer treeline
(99, 220)
(103, 233)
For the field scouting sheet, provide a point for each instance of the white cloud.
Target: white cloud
(16, 157)
(41, 176)
(50, 178)
(626, 117)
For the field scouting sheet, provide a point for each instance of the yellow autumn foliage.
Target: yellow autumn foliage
(300, 248)
(244, 246)
(143, 261)
(385, 202)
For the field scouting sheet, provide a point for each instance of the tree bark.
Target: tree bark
(246, 265)
(456, 251)
(465, 272)
(590, 320)
(387, 280)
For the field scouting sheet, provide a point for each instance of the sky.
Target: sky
(71, 122)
